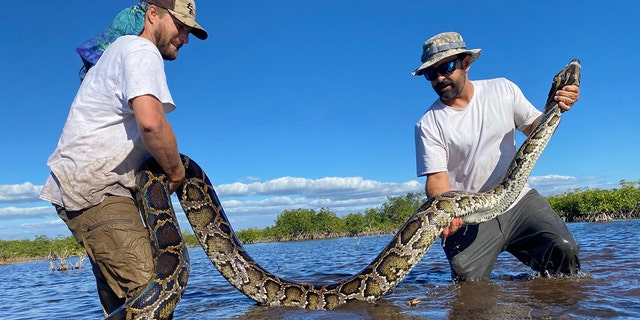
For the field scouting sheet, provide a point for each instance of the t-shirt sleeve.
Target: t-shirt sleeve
(144, 75)
(525, 113)
(431, 154)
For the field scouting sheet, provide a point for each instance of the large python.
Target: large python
(211, 226)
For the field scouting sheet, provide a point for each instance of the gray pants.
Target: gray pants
(531, 231)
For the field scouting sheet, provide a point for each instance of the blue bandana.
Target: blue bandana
(129, 21)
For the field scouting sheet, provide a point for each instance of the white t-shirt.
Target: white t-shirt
(100, 148)
(475, 144)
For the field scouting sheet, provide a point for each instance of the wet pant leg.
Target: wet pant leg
(538, 237)
(118, 247)
(530, 230)
(473, 250)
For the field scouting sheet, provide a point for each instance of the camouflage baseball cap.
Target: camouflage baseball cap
(441, 46)
(185, 11)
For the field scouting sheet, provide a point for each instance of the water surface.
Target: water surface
(608, 288)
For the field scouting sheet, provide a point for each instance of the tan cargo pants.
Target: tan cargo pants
(117, 244)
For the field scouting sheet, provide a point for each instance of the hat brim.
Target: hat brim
(196, 29)
(475, 54)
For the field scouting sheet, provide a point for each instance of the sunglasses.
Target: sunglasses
(179, 24)
(444, 69)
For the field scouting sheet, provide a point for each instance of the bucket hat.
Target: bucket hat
(441, 46)
(185, 11)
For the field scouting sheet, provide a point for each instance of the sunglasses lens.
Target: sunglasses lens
(447, 68)
(430, 74)
(444, 69)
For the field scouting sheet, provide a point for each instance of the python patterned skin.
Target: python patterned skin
(211, 227)
(171, 258)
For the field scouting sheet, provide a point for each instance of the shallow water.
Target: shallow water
(608, 288)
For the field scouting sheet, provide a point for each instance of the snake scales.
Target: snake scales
(211, 227)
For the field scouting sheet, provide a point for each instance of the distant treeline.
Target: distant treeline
(306, 224)
(592, 204)
(587, 204)
(41, 247)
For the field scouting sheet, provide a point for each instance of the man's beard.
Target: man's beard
(453, 92)
(164, 46)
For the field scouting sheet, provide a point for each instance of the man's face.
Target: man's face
(447, 86)
(171, 35)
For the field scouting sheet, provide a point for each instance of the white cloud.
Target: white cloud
(14, 213)
(44, 225)
(555, 184)
(257, 204)
(552, 180)
(334, 187)
(15, 193)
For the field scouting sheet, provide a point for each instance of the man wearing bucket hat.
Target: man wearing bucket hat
(116, 122)
(466, 141)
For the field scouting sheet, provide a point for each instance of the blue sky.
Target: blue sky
(311, 104)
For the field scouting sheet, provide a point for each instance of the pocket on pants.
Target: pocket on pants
(121, 249)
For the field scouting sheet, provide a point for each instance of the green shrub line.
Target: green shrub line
(592, 204)
(41, 247)
(583, 204)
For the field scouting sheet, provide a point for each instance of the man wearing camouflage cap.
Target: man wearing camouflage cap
(466, 141)
(116, 122)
